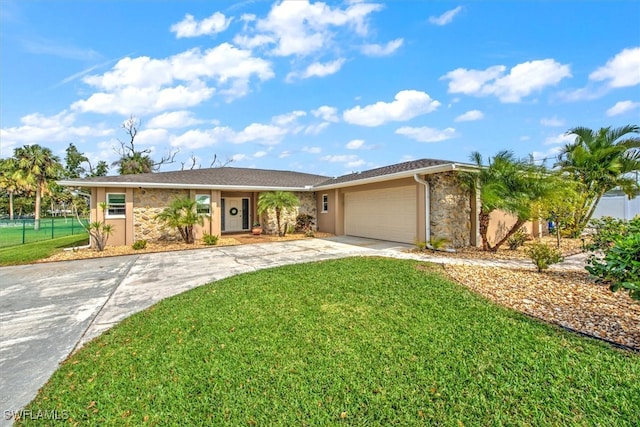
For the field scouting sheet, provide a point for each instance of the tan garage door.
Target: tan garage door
(388, 214)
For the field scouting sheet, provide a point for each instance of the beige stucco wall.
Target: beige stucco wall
(452, 209)
(500, 223)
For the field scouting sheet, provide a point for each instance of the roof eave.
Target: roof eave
(147, 185)
(446, 167)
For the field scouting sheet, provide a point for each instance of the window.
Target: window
(203, 202)
(116, 207)
(325, 203)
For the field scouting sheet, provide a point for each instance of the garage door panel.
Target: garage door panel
(386, 214)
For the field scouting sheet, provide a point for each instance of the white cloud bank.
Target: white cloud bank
(406, 105)
(427, 134)
(522, 80)
(470, 116)
(623, 70)
(445, 18)
(622, 107)
(189, 27)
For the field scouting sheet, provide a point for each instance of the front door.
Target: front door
(236, 214)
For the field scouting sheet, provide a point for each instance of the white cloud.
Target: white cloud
(622, 107)
(284, 154)
(312, 150)
(316, 129)
(552, 122)
(189, 27)
(144, 85)
(259, 154)
(239, 157)
(329, 114)
(152, 136)
(197, 138)
(267, 134)
(349, 160)
(561, 138)
(302, 28)
(470, 116)
(522, 80)
(355, 144)
(427, 134)
(407, 104)
(623, 70)
(317, 69)
(382, 50)
(60, 129)
(173, 119)
(132, 99)
(446, 17)
(288, 118)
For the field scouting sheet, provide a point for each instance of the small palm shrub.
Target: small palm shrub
(139, 244)
(210, 239)
(182, 215)
(543, 256)
(421, 245)
(517, 239)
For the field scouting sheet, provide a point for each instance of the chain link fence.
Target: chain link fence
(20, 231)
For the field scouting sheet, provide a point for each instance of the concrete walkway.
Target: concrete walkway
(49, 310)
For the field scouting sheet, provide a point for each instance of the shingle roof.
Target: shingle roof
(226, 176)
(254, 178)
(387, 170)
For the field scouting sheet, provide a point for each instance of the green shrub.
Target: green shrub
(517, 239)
(139, 244)
(607, 230)
(543, 256)
(421, 245)
(615, 257)
(210, 239)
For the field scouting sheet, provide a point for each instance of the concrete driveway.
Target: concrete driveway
(49, 310)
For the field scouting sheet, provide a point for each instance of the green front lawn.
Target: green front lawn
(359, 341)
(30, 252)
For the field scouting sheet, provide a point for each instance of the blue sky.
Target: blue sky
(326, 88)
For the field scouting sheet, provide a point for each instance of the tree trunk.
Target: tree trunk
(11, 205)
(278, 222)
(36, 224)
(483, 219)
(511, 231)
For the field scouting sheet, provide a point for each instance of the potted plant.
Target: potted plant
(256, 229)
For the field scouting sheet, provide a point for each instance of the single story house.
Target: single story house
(406, 202)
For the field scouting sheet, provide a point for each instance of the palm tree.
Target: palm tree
(601, 161)
(36, 165)
(506, 184)
(278, 201)
(8, 182)
(135, 163)
(182, 215)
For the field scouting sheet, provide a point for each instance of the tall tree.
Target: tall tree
(508, 184)
(73, 162)
(36, 165)
(601, 161)
(8, 182)
(279, 201)
(134, 161)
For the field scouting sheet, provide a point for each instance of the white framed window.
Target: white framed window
(116, 205)
(203, 204)
(325, 203)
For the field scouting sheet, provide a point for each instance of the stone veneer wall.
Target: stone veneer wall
(307, 205)
(147, 204)
(450, 210)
